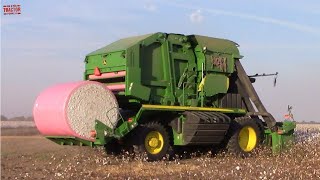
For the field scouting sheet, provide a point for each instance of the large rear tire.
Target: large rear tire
(154, 141)
(245, 136)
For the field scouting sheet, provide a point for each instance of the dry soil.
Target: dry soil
(34, 157)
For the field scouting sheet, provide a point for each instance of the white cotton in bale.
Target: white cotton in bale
(71, 109)
(89, 103)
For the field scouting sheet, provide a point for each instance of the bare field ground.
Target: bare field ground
(34, 157)
(26, 131)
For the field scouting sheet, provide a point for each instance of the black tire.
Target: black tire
(163, 145)
(245, 136)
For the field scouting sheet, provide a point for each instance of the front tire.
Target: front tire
(245, 136)
(153, 140)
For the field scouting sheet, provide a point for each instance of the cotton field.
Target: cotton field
(34, 157)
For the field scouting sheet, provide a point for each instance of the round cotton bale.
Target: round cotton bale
(71, 109)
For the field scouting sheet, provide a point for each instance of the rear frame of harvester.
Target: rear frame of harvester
(187, 90)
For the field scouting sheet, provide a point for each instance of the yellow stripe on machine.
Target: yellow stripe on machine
(188, 108)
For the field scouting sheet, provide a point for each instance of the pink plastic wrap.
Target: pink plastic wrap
(50, 109)
(117, 87)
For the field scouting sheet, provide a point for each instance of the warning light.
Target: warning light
(287, 116)
(97, 72)
(280, 131)
(130, 120)
(93, 133)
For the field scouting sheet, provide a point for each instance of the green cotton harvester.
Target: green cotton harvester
(159, 91)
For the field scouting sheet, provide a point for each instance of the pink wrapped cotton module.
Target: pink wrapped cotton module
(71, 109)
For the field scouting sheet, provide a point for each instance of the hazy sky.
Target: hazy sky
(47, 43)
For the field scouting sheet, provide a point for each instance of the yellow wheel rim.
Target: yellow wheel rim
(153, 142)
(247, 138)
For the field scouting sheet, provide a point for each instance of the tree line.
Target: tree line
(19, 118)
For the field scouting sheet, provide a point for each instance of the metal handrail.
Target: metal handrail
(118, 114)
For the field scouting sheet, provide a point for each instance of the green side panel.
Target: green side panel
(152, 65)
(134, 87)
(140, 91)
(110, 62)
(145, 68)
(215, 84)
